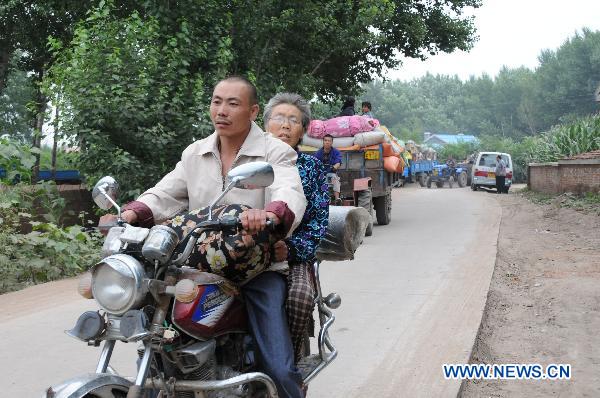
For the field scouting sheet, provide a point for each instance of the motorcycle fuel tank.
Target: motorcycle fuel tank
(212, 313)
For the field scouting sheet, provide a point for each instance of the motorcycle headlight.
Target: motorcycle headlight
(117, 283)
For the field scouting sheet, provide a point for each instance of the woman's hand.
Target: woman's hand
(281, 250)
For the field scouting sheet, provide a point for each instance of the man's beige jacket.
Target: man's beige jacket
(197, 179)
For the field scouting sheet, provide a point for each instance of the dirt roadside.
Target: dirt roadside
(544, 301)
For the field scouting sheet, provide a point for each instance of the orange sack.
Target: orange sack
(392, 164)
(388, 150)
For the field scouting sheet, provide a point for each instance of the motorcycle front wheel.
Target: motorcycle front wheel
(108, 391)
(91, 385)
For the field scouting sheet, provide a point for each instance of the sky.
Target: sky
(511, 33)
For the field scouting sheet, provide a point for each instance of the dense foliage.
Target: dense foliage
(129, 94)
(16, 99)
(50, 250)
(516, 103)
(566, 140)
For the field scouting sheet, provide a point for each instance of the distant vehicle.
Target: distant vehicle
(442, 173)
(484, 170)
(418, 171)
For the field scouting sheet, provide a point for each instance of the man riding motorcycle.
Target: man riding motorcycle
(238, 140)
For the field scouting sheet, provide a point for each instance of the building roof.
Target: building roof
(586, 155)
(452, 138)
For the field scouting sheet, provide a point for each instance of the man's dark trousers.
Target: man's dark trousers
(265, 303)
(500, 184)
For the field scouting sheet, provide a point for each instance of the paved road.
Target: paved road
(412, 300)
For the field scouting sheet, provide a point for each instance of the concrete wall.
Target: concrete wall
(577, 176)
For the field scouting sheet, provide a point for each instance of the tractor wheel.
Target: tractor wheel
(462, 179)
(428, 182)
(383, 208)
(422, 180)
(451, 182)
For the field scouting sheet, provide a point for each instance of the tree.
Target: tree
(15, 116)
(330, 48)
(134, 92)
(26, 27)
(567, 78)
(510, 89)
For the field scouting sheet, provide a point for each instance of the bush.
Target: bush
(64, 160)
(48, 252)
(17, 160)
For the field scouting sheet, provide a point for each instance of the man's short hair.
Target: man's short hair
(328, 136)
(248, 83)
(367, 104)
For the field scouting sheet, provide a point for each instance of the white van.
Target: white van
(483, 173)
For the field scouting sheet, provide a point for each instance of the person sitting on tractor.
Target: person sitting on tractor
(332, 161)
(451, 162)
(348, 107)
(367, 109)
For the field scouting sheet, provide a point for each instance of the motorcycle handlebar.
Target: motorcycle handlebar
(270, 225)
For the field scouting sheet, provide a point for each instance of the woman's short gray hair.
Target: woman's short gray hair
(291, 99)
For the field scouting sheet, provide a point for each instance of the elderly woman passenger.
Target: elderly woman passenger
(286, 117)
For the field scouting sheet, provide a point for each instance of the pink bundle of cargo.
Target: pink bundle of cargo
(343, 126)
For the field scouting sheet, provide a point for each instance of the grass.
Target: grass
(586, 203)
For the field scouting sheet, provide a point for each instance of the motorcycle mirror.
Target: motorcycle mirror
(253, 175)
(105, 193)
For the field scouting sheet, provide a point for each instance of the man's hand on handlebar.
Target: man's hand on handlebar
(255, 220)
(110, 220)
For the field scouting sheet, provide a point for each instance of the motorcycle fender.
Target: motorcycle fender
(79, 386)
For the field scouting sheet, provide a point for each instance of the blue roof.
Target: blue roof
(454, 139)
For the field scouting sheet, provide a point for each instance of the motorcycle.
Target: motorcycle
(190, 325)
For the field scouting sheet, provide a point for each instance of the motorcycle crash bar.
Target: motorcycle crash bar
(203, 385)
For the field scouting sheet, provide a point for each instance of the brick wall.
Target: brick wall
(543, 177)
(78, 199)
(577, 176)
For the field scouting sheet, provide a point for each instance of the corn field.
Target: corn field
(567, 140)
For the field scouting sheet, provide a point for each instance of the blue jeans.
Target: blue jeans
(265, 302)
